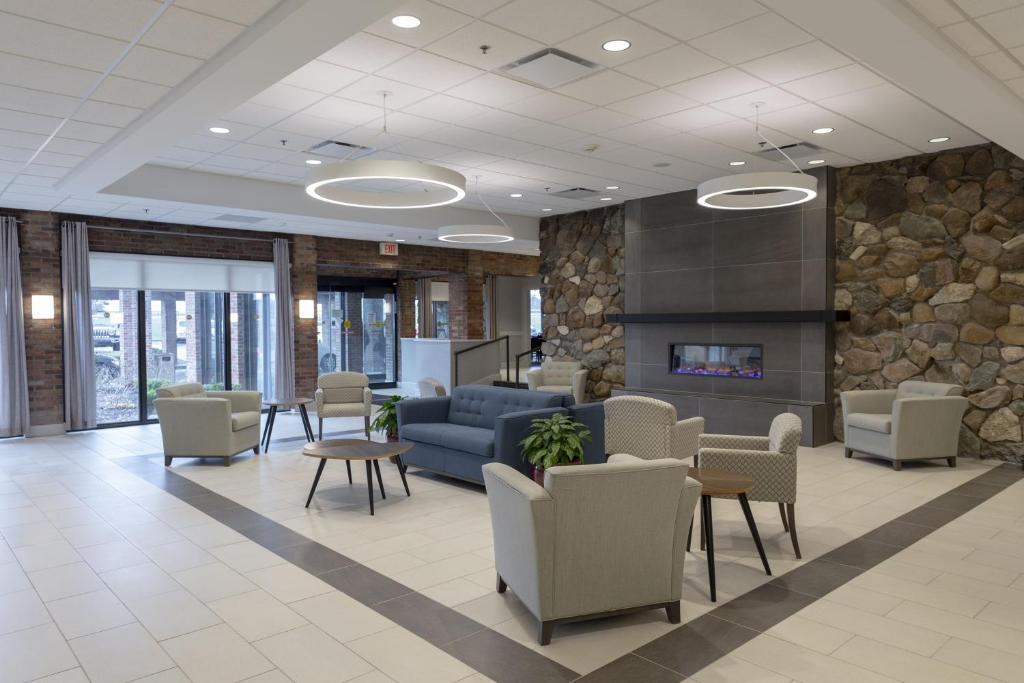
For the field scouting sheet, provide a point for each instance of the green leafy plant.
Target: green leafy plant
(386, 421)
(555, 440)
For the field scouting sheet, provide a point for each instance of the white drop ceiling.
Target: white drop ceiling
(673, 110)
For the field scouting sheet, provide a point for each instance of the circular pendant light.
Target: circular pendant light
(475, 234)
(338, 183)
(768, 190)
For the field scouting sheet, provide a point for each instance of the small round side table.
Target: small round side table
(275, 404)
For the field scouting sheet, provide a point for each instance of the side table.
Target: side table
(275, 404)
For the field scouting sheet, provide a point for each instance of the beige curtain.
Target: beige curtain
(284, 363)
(14, 415)
(79, 370)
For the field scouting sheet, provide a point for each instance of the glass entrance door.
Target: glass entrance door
(356, 329)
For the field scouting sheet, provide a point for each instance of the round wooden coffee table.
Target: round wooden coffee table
(277, 403)
(718, 483)
(357, 449)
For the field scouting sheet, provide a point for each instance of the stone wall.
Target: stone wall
(930, 262)
(582, 272)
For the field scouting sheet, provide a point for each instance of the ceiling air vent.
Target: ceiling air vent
(238, 218)
(796, 150)
(549, 68)
(575, 193)
(340, 150)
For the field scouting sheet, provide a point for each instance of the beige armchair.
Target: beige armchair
(431, 388)
(343, 394)
(196, 423)
(595, 540)
(915, 421)
(769, 460)
(559, 377)
(648, 428)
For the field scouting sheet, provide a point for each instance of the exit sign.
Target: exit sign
(389, 249)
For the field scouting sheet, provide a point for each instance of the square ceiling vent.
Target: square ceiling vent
(550, 68)
(795, 150)
(336, 149)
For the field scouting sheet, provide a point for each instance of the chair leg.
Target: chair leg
(320, 420)
(791, 513)
(256, 450)
(897, 465)
(848, 452)
(348, 466)
(782, 513)
(227, 462)
(366, 426)
(502, 586)
(167, 460)
(544, 632)
(951, 461)
(674, 616)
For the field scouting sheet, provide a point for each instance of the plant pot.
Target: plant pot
(537, 472)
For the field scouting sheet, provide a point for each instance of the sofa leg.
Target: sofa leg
(256, 450)
(674, 616)
(321, 421)
(502, 586)
(791, 513)
(951, 461)
(848, 452)
(227, 462)
(782, 513)
(897, 465)
(366, 426)
(544, 632)
(167, 460)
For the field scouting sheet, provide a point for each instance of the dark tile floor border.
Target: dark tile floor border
(677, 654)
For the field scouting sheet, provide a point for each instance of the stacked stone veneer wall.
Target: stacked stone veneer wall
(582, 280)
(930, 262)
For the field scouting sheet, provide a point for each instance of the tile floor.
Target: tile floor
(105, 576)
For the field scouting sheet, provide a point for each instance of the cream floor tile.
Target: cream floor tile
(32, 653)
(105, 557)
(65, 581)
(288, 583)
(439, 572)
(982, 660)
(898, 633)
(170, 676)
(82, 535)
(1004, 615)
(88, 613)
(120, 654)
(971, 570)
(903, 665)
(273, 676)
(211, 582)
(393, 564)
(256, 615)
(864, 599)
(45, 555)
(492, 608)
(211, 535)
(341, 617)
(70, 676)
(308, 655)
(12, 578)
(139, 581)
(732, 670)
(456, 592)
(813, 635)
(387, 546)
(801, 664)
(405, 657)
(172, 614)
(931, 594)
(31, 534)
(21, 610)
(973, 630)
(245, 556)
(216, 655)
(988, 592)
(178, 556)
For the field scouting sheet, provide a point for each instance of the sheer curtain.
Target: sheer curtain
(14, 417)
(284, 367)
(79, 373)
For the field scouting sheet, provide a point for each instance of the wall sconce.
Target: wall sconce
(42, 307)
(306, 309)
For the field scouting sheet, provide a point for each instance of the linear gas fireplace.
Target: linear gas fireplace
(716, 360)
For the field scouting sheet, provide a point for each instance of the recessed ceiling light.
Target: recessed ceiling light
(611, 187)
(220, 130)
(939, 139)
(399, 239)
(737, 163)
(815, 162)
(516, 195)
(822, 131)
(606, 199)
(616, 45)
(545, 209)
(406, 21)
(314, 162)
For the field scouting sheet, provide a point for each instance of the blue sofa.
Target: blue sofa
(457, 435)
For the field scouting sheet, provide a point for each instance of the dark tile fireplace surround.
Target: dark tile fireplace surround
(696, 275)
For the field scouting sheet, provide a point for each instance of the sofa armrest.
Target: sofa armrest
(579, 385)
(927, 426)
(510, 429)
(591, 415)
(416, 410)
(534, 378)
(684, 436)
(241, 401)
(195, 426)
(732, 441)
(877, 401)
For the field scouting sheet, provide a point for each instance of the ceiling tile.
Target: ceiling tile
(31, 38)
(493, 90)
(639, 132)
(545, 134)
(831, 83)
(190, 33)
(710, 153)
(598, 120)
(344, 111)
(669, 66)
(184, 156)
(476, 8)
(429, 71)
(1007, 26)
(312, 126)
(643, 41)
(977, 8)
(40, 75)
(287, 97)
(256, 115)
(111, 18)
(719, 85)
(499, 122)
(239, 11)
(550, 22)
(107, 114)
(1001, 65)
(504, 46)
(1017, 86)
(446, 108)
(850, 138)
(740, 135)
(156, 66)
(129, 92)
(769, 99)
(437, 21)
(624, 6)
(686, 19)
(697, 117)
(604, 87)
(259, 152)
(365, 52)
(938, 12)
(369, 90)
(269, 137)
(403, 123)
(751, 39)
(652, 104)
(322, 77)
(548, 106)
(796, 62)
(970, 38)
(36, 101)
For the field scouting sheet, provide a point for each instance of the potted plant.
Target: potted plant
(386, 421)
(555, 440)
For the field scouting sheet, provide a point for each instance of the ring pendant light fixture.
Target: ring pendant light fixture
(338, 183)
(764, 190)
(477, 234)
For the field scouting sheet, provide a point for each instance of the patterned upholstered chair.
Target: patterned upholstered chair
(431, 388)
(649, 429)
(770, 460)
(559, 377)
(343, 394)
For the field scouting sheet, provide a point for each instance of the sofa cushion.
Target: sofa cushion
(875, 422)
(244, 420)
(477, 405)
(475, 440)
(556, 388)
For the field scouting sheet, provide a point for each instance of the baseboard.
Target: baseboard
(47, 430)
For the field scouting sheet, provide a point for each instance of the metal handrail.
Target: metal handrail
(508, 357)
(527, 352)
